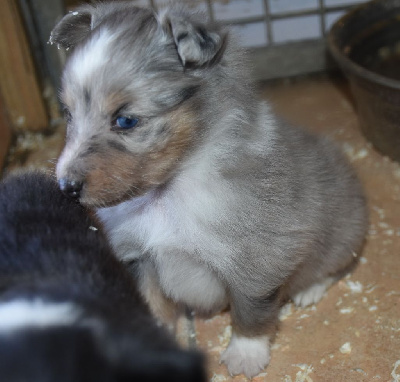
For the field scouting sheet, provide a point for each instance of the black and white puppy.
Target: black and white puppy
(69, 312)
(193, 175)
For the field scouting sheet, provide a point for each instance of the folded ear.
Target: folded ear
(197, 44)
(72, 28)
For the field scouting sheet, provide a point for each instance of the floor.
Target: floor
(353, 333)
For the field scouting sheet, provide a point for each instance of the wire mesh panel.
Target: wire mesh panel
(286, 37)
(270, 22)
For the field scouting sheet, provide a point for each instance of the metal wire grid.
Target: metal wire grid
(272, 58)
(269, 17)
(278, 57)
(322, 9)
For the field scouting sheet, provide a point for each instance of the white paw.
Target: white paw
(245, 355)
(312, 294)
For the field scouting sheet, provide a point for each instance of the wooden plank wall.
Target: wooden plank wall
(19, 86)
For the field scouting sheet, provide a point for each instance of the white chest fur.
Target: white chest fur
(175, 229)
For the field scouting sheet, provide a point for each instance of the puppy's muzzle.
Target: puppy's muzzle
(71, 188)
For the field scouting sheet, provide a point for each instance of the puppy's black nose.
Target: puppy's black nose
(71, 188)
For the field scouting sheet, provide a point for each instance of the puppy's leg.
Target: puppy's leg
(246, 355)
(253, 321)
(309, 284)
(162, 307)
(313, 293)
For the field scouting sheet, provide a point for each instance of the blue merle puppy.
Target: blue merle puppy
(69, 312)
(194, 177)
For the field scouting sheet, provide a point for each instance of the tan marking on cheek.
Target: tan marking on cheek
(112, 179)
(118, 176)
(160, 162)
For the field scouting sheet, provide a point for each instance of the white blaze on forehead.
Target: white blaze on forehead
(81, 71)
(92, 56)
(19, 314)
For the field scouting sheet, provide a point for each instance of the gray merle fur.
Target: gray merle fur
(228, 206)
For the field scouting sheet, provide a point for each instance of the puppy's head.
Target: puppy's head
(132, 90)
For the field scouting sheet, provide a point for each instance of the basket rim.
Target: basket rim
(349, 66)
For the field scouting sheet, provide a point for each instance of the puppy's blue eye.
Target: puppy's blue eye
(126, 123)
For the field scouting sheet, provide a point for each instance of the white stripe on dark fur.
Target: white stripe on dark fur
(20, 314)
(67, 305)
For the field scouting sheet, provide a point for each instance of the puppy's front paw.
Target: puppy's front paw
(246, 355)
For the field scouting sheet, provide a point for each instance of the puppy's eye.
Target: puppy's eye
(125, 123)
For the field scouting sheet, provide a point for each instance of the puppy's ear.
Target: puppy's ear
(72, 28)
(197, 44)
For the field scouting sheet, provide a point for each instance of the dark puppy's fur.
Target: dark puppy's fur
(220, 201)
(69, 312)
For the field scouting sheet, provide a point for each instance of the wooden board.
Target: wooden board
(18, 83)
